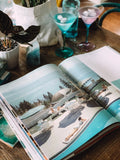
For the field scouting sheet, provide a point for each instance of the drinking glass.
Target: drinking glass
(89, 14)
(72, 33)
(64, 21)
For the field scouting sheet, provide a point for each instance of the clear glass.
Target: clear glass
(89, 14)
(67, 5)
(64, 21)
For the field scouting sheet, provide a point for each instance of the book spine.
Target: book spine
(3, 68)
(5, 77)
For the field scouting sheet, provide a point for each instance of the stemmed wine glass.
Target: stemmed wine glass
(64, 21)
(89, 14)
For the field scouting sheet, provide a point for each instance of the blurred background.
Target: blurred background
(5, 3)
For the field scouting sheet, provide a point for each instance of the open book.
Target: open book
(58, 111)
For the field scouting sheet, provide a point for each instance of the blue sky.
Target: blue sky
(32, 86)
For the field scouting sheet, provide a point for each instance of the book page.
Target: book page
(54, 111)
(70, 127)
(87, 79)
(105, 62)
(91, 76)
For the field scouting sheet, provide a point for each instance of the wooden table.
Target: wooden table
(108, 148)
(99, 36)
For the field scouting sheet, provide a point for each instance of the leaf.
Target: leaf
(25, 36)
(6, 25)
(17, 32)
(17, 29)
(33, 31)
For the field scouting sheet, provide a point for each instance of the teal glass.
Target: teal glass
(67, 6)
(73, 31)
(64, 21)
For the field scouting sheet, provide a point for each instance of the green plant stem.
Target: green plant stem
(5, 38)
(28, 3)
(32, 3)
(24, 3)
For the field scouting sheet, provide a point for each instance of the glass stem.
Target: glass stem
(87, 34)
(63, 35)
